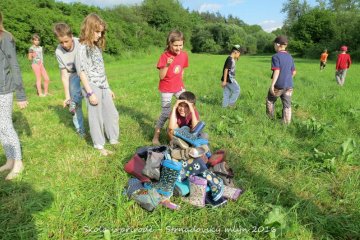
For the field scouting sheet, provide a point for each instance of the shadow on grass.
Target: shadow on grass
(141, 118)
(66, 119)
(325, 222)
(18, 202)
(211, 100)
(21, 124)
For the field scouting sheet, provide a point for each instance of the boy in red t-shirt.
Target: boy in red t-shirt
(343, 63)
(171, 70)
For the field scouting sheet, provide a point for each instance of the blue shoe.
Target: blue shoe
(209, 201)
(184, 134)
(181, 188)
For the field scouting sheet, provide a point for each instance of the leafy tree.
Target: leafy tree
(129, 27)
(294, 9)
(315, 26)
(344, 5)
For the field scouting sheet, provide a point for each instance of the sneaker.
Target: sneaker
(114, 142)
(81, 134)
(72, 107)
(209, 201)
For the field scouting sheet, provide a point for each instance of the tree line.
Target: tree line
(328, 25)
(134, 28)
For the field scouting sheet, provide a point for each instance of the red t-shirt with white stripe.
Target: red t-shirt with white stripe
(173, 80)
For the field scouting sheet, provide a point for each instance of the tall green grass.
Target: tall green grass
(301, 181)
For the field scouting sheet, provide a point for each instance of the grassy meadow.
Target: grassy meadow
(301, 181)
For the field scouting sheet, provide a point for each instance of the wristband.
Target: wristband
(89, 94)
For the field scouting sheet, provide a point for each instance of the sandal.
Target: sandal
(225, 173)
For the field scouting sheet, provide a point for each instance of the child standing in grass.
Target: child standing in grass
(65, 55)
(343, 63)
(231, 88)
(102, 113)
(323, 59)
(171, 70)
(283, 67)
(10, 81)
(37, 63)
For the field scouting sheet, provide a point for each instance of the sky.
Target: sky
(266, 13)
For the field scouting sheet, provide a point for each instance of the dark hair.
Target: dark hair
(188, 96)
(282, 40)
(236, 48)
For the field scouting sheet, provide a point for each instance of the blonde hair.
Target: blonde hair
(2, 29)
(62, 30)
(174, 36)
(35, 36)
(93, 23)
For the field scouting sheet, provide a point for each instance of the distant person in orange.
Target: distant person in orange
(323, 59)
(343, 63)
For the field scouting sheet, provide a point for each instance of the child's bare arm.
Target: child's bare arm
(173, 120)
(65, 82)
(194, 119)
(89, 93)
(274, 79)
(30, 56)
(224, 82)
(163, 71)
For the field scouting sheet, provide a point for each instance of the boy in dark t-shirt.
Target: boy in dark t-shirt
(231, 88)
(282, 65)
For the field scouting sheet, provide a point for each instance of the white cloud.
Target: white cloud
(270, 25)
(104, 3)
(210, 7)
(236, 2)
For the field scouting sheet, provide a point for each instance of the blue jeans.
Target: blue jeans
(231, 93)
(76, 96)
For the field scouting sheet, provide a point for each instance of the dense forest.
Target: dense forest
(133, 28)
(328, 25)
(139, 27)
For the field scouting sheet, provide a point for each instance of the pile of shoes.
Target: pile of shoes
(185, 168)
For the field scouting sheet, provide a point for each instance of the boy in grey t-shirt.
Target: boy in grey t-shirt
(65, 55)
